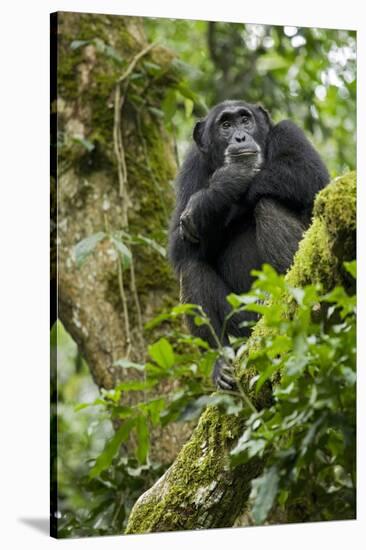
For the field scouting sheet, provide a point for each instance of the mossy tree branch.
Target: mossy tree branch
(200, 490)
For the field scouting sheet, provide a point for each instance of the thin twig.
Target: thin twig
(125, 308)
(245, 397)
(119, 150)
(137, 302)
(134, 61)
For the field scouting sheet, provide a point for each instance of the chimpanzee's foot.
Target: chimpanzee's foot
(223, 376)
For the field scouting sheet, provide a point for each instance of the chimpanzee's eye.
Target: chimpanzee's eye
(226, 124)
(245, 120)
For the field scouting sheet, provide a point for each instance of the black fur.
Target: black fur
(244, 198)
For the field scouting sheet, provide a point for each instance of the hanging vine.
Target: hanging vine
(119, 101)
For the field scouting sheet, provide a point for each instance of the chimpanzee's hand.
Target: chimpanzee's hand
(223, 376)
(188, 227)
(234, 177)
(227, 185)
(248, 165)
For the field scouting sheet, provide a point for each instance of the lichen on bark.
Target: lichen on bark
(200, 490)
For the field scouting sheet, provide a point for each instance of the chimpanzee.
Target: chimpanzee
(245, 194)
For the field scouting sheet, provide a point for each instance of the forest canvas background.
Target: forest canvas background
(130, 389)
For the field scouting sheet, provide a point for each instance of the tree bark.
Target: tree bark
(200, 490)
(104, 186)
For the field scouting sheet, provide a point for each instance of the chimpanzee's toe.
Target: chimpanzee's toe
(223, 376)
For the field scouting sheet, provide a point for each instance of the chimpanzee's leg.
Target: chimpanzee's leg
(278, 233)
(201, 285)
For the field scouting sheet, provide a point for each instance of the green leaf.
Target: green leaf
(156, 321)
(237, 300)
(153, 408)
(86, 143)
(162, 353)
(99, 44)
(188, 107)
(82, 406)
(186, 91)
(187, 338)
(248, 444)
(136, 99)
(122, 250)
(194, 408)
(272, 62)
(266, 375)
(255, 447)
(185, 309)
(152, 68)
(351, 267)
(349, 375)
(264, 491)
(109, 51)
(340, 297)
(297, 293)
(142, 431)
(85, 247)
(135, 385)
(121, 412)
(156, 112)
(183, 69)
(104, 460)
(126, 364)
(75, 44)
(169, 105)
(199, 321)
(140, 239)
(282, 497)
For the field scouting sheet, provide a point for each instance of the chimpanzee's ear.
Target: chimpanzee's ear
(198, 135)
(265, 114)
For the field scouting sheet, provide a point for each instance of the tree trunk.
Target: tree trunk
(114, 170)
(200, 490)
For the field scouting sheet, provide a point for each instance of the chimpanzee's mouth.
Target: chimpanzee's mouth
(244, 153)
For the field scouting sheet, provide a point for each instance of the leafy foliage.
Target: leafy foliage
(308, 435)
(92, 500)
(119, 241)
(189, 366)
(306, 74)
(85, 247)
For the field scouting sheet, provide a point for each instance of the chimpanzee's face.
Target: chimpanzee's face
(232, 132)
(236, 127)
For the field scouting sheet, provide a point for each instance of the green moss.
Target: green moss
(197, 469)
(149, 159)
(313, 260)
(331, 239)
(336, 204)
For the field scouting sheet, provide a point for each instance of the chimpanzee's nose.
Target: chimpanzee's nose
(240, 138)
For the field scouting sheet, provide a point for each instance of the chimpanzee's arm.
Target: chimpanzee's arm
(193, 177)
(293, 172)
(203, 204)
(208, 210)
